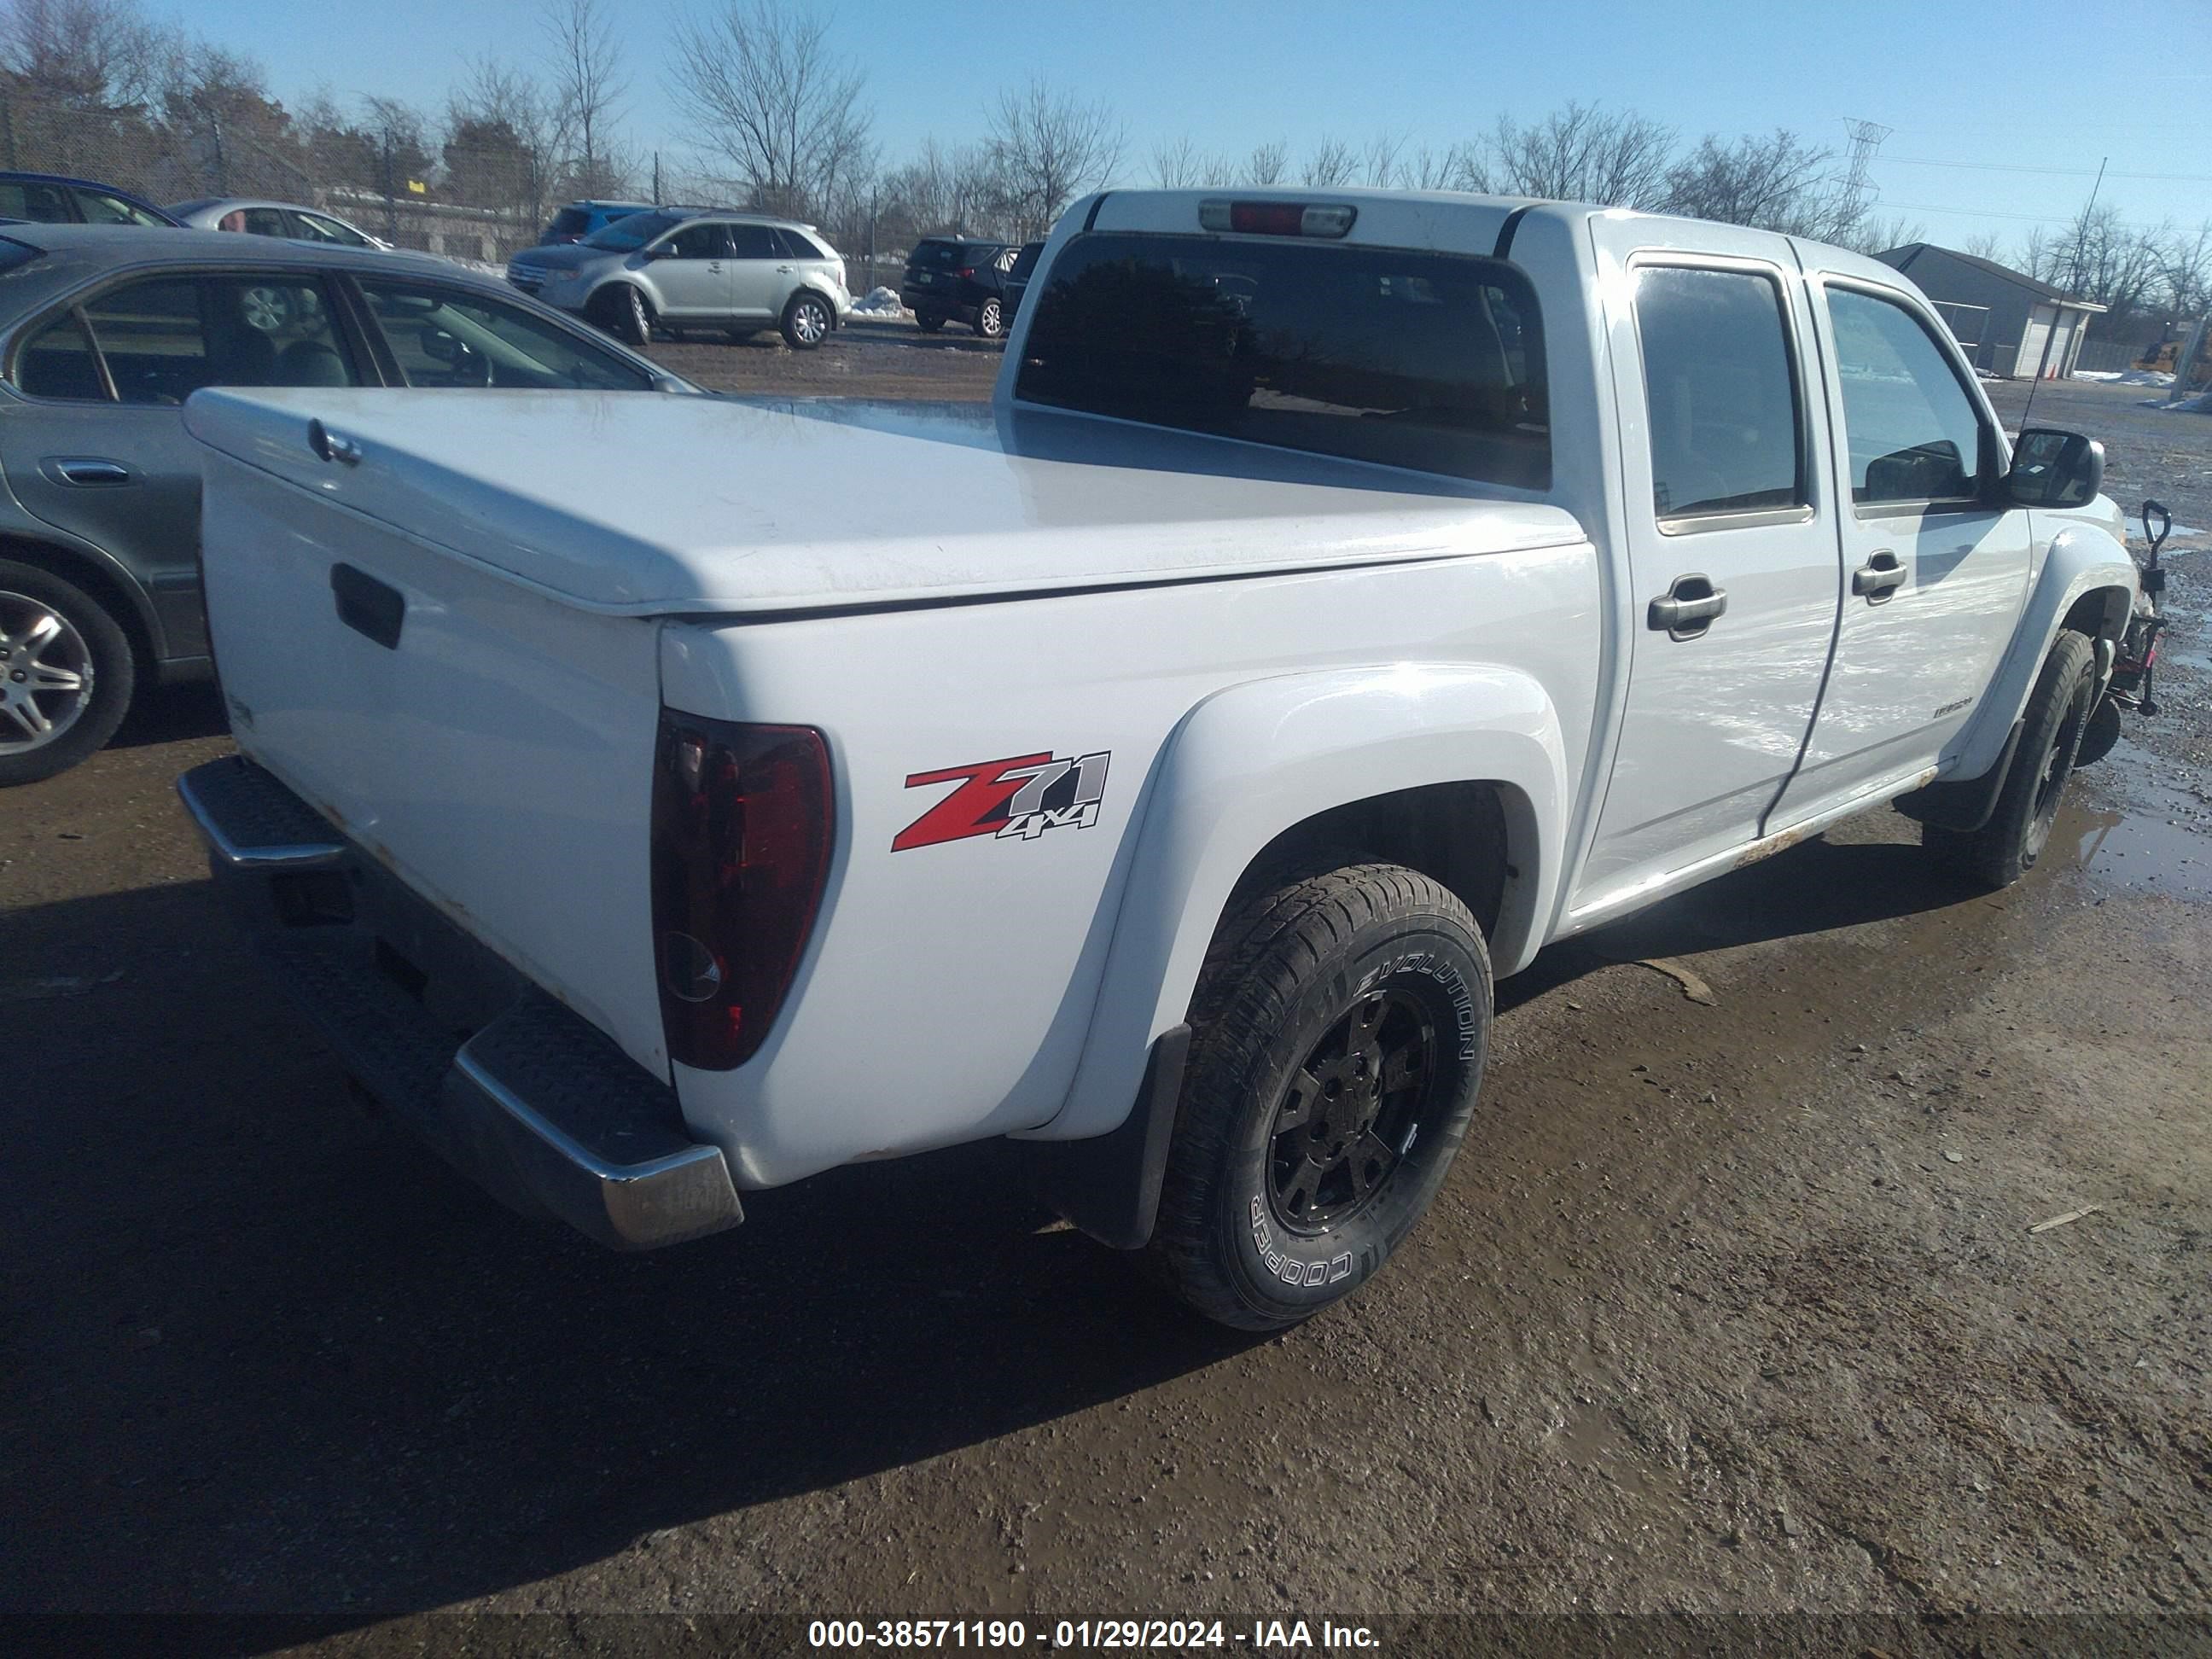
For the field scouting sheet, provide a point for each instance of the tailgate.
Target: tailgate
(490, 744)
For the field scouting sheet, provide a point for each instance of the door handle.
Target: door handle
(1879, 578)
(329, 447)
(1686, 609)
(86, 471)
(783, 271)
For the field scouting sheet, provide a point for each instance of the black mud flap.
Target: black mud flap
(1110, 1186)
(1964, 805)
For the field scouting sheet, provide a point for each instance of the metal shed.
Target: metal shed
(2010, 323)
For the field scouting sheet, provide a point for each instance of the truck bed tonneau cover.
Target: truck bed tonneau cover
(711, 505)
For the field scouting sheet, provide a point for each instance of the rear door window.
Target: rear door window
(58, 361)
(756, 242)
(166, 337)
(266, 222)
(1398, 356)
(27, 198)
(699, 242)
(1720, 392)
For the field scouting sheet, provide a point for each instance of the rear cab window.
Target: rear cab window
(945, 256)
(1404, 357)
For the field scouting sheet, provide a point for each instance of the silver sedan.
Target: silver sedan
(103, 332)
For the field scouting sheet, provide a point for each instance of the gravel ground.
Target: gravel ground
(1727, 1308)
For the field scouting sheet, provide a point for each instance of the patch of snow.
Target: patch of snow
(2136, 529)
(2124, 377)
(2200, 404)
(880, 303)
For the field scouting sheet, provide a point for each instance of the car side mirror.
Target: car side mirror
(662, 251)
(2052, 468)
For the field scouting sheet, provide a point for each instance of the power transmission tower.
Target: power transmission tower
(1858, 191)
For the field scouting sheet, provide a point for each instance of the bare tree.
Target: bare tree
(1776, 183)
(96, 54)
(1332, 163)
(764, 86)
(1381, 162)
(1458, 166)
(588, 87)
(1983, 245)
(2188, 271)
(1048, 148)
(1267, 164)
(1581, 154)
(1183, 165)
(1869, 236)
(502, 142)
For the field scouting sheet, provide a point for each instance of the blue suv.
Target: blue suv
(580, 219)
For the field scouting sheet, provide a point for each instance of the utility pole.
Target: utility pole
(656, 178)
(391, 198)
(222, 168)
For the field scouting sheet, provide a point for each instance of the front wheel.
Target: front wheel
(2005, 848)
(1338, 1029)
(806, 322)
(66, 674)
(624, 313)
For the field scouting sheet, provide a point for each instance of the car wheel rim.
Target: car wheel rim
(1352, 1113)
(993, 323)
(46, 674)
(638, 321)
(809, 323)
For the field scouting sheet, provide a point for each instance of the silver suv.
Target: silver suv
(679, 269)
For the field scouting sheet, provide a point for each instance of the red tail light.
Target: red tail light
(741, 822)
(965, 270)
(1330, 218)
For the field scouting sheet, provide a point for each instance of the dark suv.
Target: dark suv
(961, 277)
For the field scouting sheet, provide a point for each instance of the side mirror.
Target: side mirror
(661, 251)
(2050, 468)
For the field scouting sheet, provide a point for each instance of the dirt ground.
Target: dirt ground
(1724, 1309)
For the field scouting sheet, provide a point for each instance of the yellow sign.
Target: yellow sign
(416, 187)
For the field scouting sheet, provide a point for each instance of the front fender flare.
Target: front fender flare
(1260, 758)
(2082, 558)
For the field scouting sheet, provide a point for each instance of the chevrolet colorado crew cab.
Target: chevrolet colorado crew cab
(1346, 594)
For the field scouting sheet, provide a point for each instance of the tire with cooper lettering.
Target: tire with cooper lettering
(1337, 1040)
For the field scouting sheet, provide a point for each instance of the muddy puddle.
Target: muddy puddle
(2145, 824)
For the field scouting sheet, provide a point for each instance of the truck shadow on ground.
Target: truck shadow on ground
(261, 1354)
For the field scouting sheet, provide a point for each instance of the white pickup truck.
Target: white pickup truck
(1346, 595)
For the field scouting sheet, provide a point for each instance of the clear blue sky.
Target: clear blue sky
(2027, 83)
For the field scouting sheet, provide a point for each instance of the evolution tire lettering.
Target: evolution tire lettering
(1018, 799)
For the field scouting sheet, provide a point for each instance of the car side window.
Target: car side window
(100, 207)
(26, 198)
(165, 337)
(267, 221)
(1721, 391)
(699, 242)
(441, 337)
(58, 361)
(1005, 262)
(313, 227)
(1913, 432)
(756, 242)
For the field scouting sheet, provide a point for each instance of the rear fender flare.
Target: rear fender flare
(1257, 759)
(2082, 559)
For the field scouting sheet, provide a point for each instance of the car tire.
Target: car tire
(807, 322)
(928, 321)
(623, 311)
(2006, 849)
(991, 320)
(51, 626)
(1298, 1166)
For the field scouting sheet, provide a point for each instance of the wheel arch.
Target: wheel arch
(104, 580)
(1264, 776)
(2086, 583)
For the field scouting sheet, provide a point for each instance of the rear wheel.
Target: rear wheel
(991, 320)
(1339, 1031)
(2005, 848)
(66, 674)
(928, 321)
(806, 321)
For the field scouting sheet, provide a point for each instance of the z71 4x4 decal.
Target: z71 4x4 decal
(1015, 800)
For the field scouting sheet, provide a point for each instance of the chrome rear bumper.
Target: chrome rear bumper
(517, 1092)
